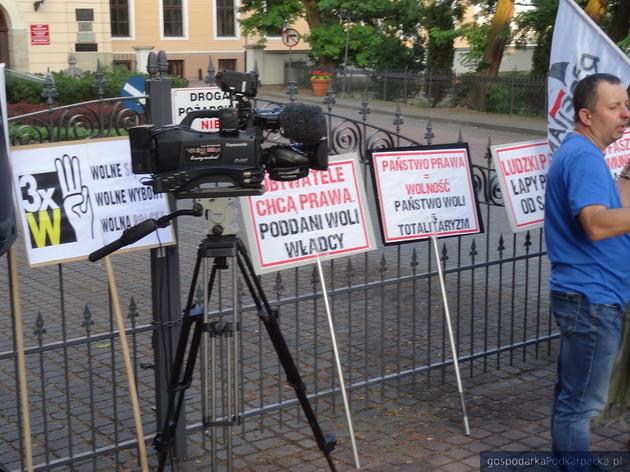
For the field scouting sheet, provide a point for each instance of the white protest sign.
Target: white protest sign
(424, 192)
(186, 100)
(323, 214)
(522, 172)
(75, 198)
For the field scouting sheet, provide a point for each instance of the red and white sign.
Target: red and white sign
(425, 192)
(618, 153)
(522, 171)
(186, 100)
(290, 37)
(40, 35)
(322, 215)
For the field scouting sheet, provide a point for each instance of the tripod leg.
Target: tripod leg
(179, 383)
(270, 319)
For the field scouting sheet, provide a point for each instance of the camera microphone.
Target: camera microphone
(303, 123)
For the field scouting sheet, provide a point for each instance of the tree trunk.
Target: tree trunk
(620, 23)
(493, 52)
(315, 20)
(596, 9)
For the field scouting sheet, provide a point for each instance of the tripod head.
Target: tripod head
(220, 213)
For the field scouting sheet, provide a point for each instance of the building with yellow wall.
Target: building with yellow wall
(41, 34)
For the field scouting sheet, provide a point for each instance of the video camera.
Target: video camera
(232, 162)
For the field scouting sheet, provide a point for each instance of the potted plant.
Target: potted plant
(319, 82)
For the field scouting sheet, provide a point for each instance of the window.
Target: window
(173, 17)
(227, 64)
(119, 11)
(122, 63)
(176, 68)
(225, 18)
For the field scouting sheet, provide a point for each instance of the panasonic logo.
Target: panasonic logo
(235, 144)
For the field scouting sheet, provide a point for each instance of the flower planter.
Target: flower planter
(320, 87)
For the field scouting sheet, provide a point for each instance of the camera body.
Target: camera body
(191, 163)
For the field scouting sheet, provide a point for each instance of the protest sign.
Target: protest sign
(322, 215)
(522, 173)
(425, 191)
(75, 198)
(186, 100)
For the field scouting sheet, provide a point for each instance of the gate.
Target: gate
(386, 305)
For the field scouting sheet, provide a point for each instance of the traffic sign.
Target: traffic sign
(290, 37)
(134, 87)
(186, 100)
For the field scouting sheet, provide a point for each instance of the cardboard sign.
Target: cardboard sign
(522, 171)
(323, 215)
(75, 198)
(425, 191)
(186, 100)
(40, 35)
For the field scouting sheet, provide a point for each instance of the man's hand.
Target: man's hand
(76, 196)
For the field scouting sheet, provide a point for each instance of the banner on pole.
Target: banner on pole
(425, 191)
(322, 215)
(579, 48)
(75, 198)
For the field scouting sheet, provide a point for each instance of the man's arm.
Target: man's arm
(600, 222)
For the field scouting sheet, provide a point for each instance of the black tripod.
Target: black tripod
(220, 248)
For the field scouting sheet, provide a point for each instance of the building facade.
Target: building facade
(41, 34)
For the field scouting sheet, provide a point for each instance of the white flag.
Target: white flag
(579, 48)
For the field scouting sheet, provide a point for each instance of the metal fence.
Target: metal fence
(386, 304)
(513, 93)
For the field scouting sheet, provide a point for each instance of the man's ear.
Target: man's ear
(585, 116)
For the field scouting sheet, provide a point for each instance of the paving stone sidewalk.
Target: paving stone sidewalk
(419, 428)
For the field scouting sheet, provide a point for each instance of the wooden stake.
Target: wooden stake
(135, 405)
(21, 364)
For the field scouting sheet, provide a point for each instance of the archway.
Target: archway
(4, 39)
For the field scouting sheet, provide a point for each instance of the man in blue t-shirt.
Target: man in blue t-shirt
(587, 226)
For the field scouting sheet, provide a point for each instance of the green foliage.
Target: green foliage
(381, 33)
(74, 89)
(267, 17)
(20, 90)
(498, 98)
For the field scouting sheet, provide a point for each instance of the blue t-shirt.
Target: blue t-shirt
(600, 270)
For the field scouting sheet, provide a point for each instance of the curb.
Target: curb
(436, 119)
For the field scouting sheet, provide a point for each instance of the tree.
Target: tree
(537, 25)
(596, 9)
(498, 37)
(440, 18)
(382, 33)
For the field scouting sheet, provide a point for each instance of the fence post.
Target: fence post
(512, 94)
(385, 85)
(165, 280)
(49, 93)
(405, 83)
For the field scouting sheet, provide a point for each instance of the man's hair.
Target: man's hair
(585, 92)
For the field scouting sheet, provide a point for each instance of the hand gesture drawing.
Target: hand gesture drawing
(76, 196)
